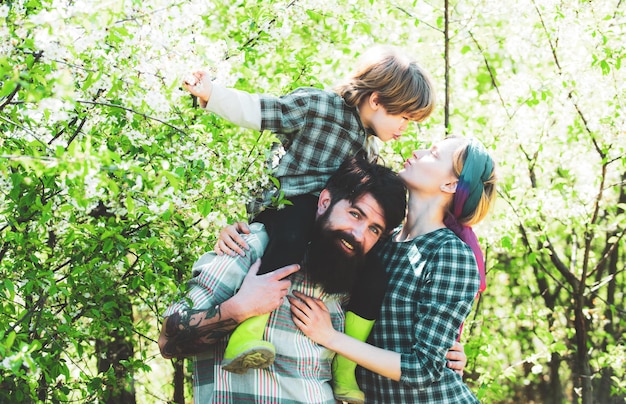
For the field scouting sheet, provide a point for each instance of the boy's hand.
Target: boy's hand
(199, 84)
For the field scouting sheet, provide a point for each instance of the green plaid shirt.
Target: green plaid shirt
(433, 280)
(301, 372)
(318, 131)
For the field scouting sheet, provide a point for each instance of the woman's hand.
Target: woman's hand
(312, 317)
(456, 358)
(230, 241)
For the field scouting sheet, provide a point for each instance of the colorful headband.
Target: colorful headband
(477, 169)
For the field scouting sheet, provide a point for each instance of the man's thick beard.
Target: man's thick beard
(327, 264)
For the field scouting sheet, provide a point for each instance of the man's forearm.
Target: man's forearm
(193, 331)
(189, 332)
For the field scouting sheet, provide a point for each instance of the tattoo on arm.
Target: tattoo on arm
(193, 331)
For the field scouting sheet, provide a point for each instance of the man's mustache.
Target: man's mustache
(357, 247)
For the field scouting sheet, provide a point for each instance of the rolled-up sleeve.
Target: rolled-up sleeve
(450, 283)
(216, 278)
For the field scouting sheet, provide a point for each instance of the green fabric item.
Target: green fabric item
(246, 348)
(345, 387)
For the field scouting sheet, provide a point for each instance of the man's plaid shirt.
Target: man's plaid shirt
(433, 280)
(301, 372)
(318, 131)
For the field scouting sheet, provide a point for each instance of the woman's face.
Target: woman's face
(431, 170)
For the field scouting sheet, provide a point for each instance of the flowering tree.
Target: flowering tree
(112, 182)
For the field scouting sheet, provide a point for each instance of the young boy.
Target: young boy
(318, 130)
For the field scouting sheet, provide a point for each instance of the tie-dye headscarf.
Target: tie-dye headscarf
(477, 169)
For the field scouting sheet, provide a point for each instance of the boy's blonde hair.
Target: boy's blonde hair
(403, 87)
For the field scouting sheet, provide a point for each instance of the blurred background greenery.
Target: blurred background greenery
(112, 183)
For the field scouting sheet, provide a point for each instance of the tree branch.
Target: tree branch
(18, 87)
(494, 84)
(107, 104)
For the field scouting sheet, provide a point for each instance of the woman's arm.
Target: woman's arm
(312, 317)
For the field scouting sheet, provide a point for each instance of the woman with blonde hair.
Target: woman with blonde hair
(432, 281)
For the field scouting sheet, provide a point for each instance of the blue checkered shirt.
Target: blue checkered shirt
(433, 280)
(318, 131)
(301, 372)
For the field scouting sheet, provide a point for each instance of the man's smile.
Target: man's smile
(347, 244)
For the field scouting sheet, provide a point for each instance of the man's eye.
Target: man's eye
(354, 214)
(375, 230)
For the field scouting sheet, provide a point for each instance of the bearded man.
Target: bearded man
(361, 203)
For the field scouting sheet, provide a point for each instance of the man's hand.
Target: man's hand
(199, 84)
(194, 331)
(230, 241)
(456, 358)
(259, 294)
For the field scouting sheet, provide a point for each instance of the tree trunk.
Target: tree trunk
(179, 381)
(555, 389)
(583, 376)
(111, 352)
(612, 328)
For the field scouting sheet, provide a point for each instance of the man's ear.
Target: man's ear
(323, 202)
(450, 187)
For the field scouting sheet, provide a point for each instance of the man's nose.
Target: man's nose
(359, 233)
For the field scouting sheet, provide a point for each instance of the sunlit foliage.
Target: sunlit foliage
(112, 182)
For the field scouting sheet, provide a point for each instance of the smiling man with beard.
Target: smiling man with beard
(361, 203)
(332, 257)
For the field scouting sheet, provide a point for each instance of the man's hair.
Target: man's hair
(403, 86)
(357, 177)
